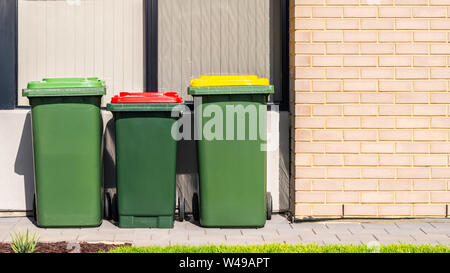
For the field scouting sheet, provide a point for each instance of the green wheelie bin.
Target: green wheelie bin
(146, 153)
(230, 117)
(67, 135)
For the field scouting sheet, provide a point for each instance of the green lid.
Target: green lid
(231, 90)
(145, 107)
(56, 87)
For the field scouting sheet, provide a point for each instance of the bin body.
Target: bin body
(67, 133)
(146, 157)
(232, 167)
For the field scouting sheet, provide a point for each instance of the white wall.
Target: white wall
(16, 162)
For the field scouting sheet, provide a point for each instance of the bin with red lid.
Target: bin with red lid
(146, 153)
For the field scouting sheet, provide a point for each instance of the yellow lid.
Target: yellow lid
(251, 80)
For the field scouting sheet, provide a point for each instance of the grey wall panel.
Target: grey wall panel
(211, 37)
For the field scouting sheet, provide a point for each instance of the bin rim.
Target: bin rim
(231, 90)
(145, 107)
(229, 80)
(65, 87)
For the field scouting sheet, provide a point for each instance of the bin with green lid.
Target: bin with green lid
(146, 153)
(230, 117)
(67, 135)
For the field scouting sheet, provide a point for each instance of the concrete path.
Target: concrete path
(279, 230)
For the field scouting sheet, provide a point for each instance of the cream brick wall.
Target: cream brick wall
(370, 95)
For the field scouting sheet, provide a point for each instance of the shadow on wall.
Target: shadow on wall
(24, 161)
(109, 157)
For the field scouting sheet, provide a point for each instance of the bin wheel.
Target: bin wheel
(181, 210)
(114, 208)
(195, 207)
(269, 206)
(107, 206)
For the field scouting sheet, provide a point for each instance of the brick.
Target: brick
(310, 172)
(378, 98)
(342, 148)
(303, 160)
(344, 172)
(327, 110)
(395, 61)
(377, 148)
(394, 12)
(443, 49)
(361, 85)
(360, 210)
(302, 12)
(309, 73)
(429, 210)
(342, 73)
(377, 49)
(396, 160)
(412, 197)
(411, 49)
(410, 148)
(430, 61)
(430, 185)
(412, 98)
(327, 135)
(327, 36)
(427, 86)
(430, 135)
(342, 24)
(440, 197)
(439, 2)
(395, 185)
(327, 185)
(395, 210)
(360, 185)
(428, 12)
(342, 98)
(395, 36)
(302, 36)
(309, 24)
(327, 12)
(378, 172)
(360, 61)
(303, 185)
(430, 110)
(360, 110)
(312, 122)
(343, 122)
(310, 197)
(402, 24)
(327, 210)
(411, 2)
(309, 97)
(342, 197)
(430, 36)
(396, 135)
(308, 49)
(412, 73)
(303, 210)
(440, 24)
(342, 2)
(360, 135)
(328, 160)
(440, 73)
(377, 73)
(378, 123)
(361, 160)
(327, 61)
(302, 135)
(437, 122)
(360, 36)
(377, 197)
(343, 49)
(303, 147)
(302, 61)
(327, 86)
(430, 160)
(302, 110)
(439, 148)
(395, 86)
(413, 123)
(395, 110)
(413, 173)
(360, 12)
(309, 2)
(377, 23)
(440, 173)
(302, 85)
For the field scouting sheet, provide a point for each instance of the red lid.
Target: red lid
(149, 97)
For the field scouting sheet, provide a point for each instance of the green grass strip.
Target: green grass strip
(286, 248)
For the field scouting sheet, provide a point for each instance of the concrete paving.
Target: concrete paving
(279, 230)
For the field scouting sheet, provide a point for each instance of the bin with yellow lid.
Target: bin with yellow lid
(230, 117)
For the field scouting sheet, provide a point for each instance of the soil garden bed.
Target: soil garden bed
(61, 247)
